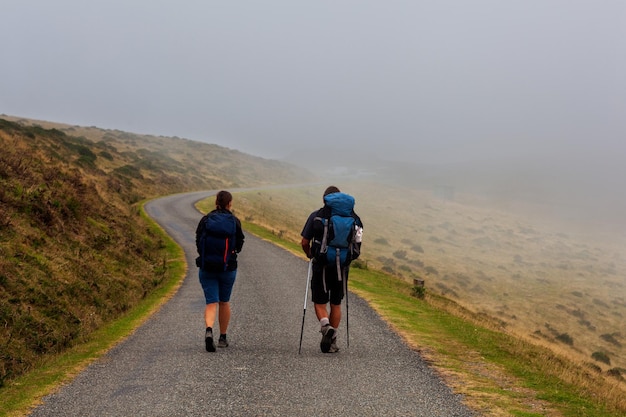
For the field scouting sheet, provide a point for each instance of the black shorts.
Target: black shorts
(333, 291)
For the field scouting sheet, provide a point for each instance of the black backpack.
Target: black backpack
(216, 242)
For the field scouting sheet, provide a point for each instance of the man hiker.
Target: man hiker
(331, 238)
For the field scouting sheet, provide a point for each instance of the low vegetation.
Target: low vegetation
(493, 269)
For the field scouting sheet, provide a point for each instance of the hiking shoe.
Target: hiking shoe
(333, 346)
(208, 341)
(222, 342)
(327, 332)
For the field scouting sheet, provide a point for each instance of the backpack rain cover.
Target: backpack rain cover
(217, 240)
(337, 243)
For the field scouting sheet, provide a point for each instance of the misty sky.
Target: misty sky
(418, 80)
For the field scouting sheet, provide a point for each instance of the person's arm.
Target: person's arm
(306, 247)
(307, 235)
(240, 237)
(199, 230)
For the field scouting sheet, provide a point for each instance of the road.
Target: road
(162, 369)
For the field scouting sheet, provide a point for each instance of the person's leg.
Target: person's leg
(335, 286)
(209, 319)
(226, 283)
(335, 315)
(210, 287)
(320, 311)
(209, 314)
(224, 316)
(224, 319)
(319, 296)
(336, 296)
(328, 330)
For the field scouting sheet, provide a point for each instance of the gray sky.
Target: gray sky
(414, 80)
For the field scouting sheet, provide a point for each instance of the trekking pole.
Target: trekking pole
(306, 295)
(347, 315)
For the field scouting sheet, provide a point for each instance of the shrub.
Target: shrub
(128, 171)
(601, 357)
(600, 303)
(418, 291)
(565, 338)
(417, 262)
(431, 270)
(608, 337)
(386, 261)
(400, 254)
(359, 264)
(106, 155)
(417, 248)
(445, 290)
(593, 367)
(616, 373)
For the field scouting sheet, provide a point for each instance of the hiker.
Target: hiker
(330, 272)
(219, 238)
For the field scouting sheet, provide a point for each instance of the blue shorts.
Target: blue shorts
(217, 286)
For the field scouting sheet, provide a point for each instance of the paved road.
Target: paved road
(164, 370)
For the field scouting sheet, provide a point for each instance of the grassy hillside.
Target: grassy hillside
(560, 289)
(555, 289)
(74, 251)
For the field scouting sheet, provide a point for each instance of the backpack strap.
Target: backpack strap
(338, 263)
(324, 243)
(226, 249)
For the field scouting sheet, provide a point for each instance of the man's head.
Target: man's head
(331, 190)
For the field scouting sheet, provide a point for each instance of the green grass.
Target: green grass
(21, 394)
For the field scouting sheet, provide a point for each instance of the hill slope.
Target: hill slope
(74, 250)
(556, 289)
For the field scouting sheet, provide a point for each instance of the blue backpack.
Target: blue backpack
(338, 245)
(216, 242)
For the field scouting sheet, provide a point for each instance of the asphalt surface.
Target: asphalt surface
(163, 369)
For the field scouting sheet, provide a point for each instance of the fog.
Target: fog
(491, 95)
